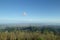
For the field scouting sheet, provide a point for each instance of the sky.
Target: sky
(29, 11)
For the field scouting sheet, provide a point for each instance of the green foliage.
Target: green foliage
(28, 33)
(18, 35)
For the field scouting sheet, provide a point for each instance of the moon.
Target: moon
(24, 14)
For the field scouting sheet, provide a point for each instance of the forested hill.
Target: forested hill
(42, 29)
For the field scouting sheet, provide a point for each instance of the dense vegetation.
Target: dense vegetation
(30, 33)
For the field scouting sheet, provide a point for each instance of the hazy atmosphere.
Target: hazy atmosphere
(29, 19)
(29, 11)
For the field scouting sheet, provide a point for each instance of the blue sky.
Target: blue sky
(37, 11)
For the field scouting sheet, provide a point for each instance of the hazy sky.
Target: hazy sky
(29, 11)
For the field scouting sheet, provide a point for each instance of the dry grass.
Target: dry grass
(18, 35)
